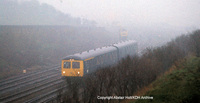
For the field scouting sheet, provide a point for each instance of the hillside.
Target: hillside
(132, 73)
(31, 12)
(34, 47)
(182, 85)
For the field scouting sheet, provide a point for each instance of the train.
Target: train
(80, 64)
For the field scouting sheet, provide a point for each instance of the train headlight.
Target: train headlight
(78, 72)
(64, 72)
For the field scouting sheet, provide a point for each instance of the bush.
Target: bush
(136, 72)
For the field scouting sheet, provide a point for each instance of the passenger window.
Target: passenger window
(75, 65)
(67, 65)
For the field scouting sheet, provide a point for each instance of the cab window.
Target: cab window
(67, 65)
(75, 65)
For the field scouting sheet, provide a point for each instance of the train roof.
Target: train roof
(99, 51)
(124, 43)
(91, 53)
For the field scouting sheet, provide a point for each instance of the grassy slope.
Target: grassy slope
(182, 85)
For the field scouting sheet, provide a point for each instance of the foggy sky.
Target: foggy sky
(181, 13)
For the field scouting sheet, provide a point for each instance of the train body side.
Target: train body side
(90, 61)
(124, 49)
(100, 61)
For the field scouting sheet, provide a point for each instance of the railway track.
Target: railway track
(30, 85)
(47, 97)
(27, 93)
(25, 83)
(16, 79)
(33, 87)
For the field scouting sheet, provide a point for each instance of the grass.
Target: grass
(181, 85)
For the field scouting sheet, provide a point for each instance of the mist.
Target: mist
(151, 23)
(43, 42)
(145, 21)
(184, 13)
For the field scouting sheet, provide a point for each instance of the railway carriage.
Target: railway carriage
(80, 64)
(126, 48)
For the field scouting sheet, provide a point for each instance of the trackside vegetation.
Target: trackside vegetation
(182, 85)
(133, 73)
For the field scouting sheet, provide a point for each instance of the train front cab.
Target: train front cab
(72, 68)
